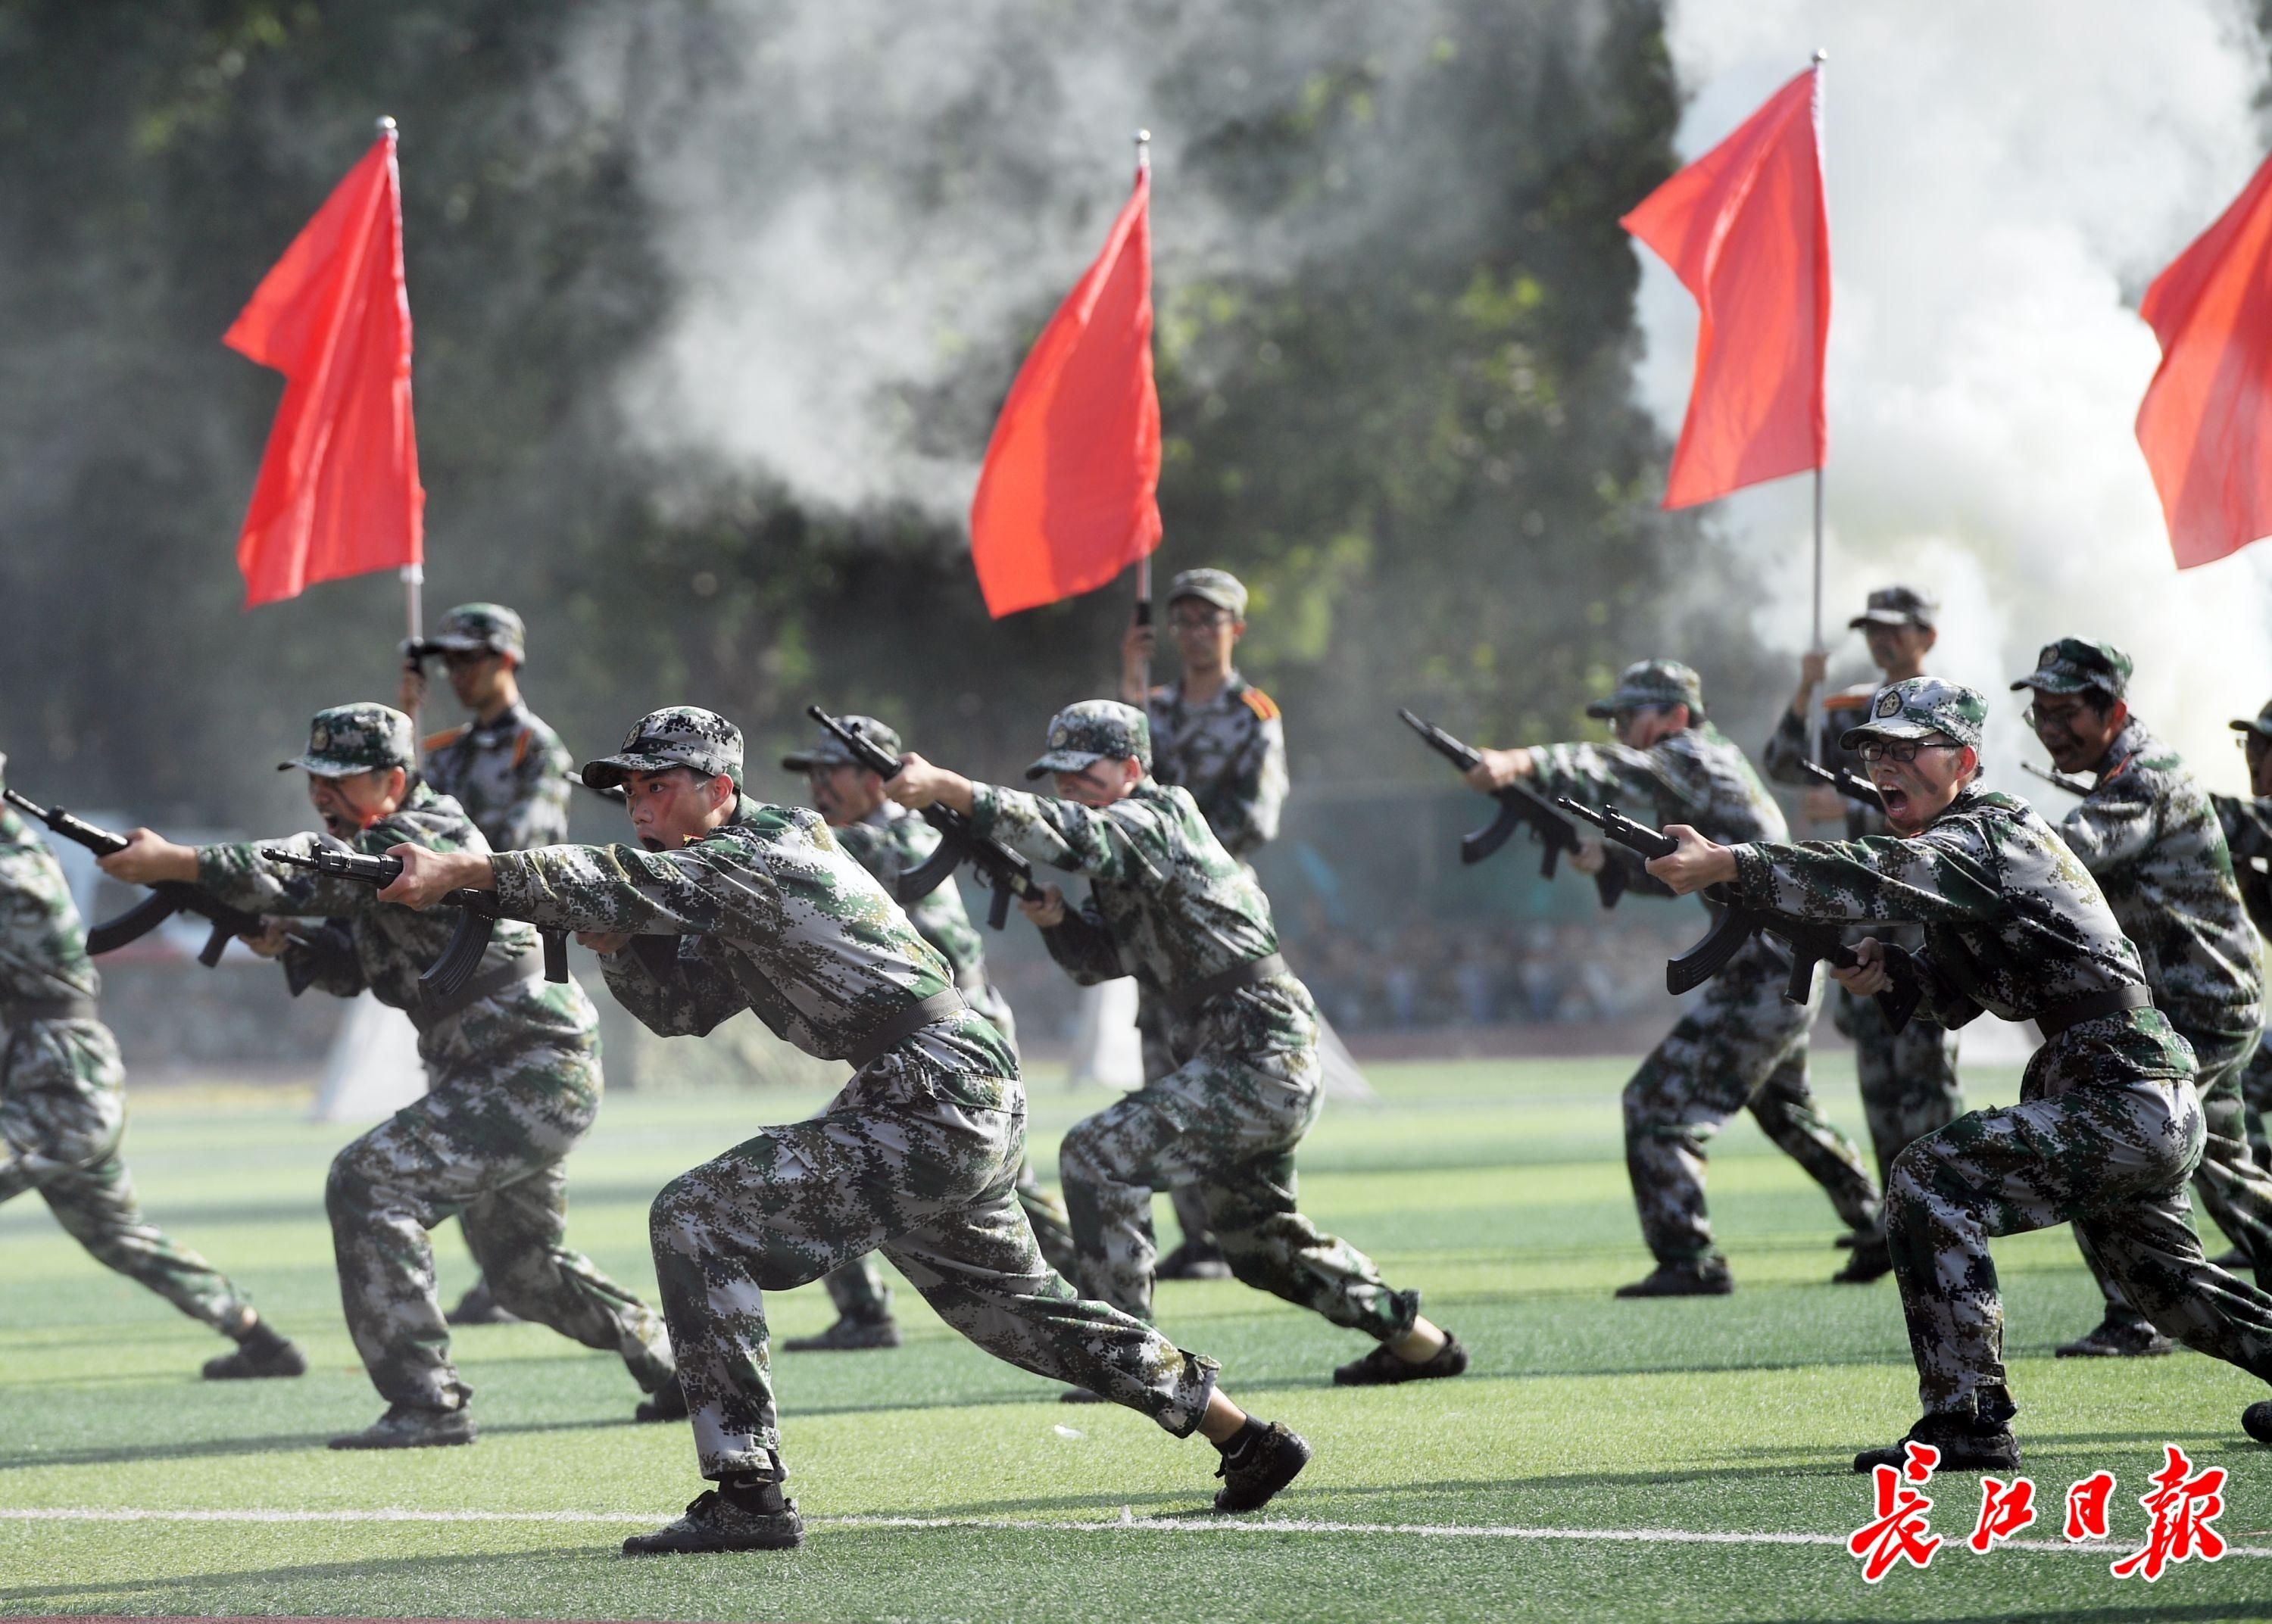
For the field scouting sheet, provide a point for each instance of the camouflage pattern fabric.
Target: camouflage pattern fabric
(509, 775)
(1229, 752)
(514, 1082)
(916, 1157)
(2247, 824)
(2150, 836)
(2108, 1128)
(1169, 905)
(62, 1094)
(1908, 1079)
(1741, 1047)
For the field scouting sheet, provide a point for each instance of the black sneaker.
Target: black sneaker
(2118, 1339)
(667, 1403)
(1382, 1368)
(262, 1354)
(1193, 1260)
(759, 1518)
(1872, 1260)
(848, 1336)
(477, 1307)
(1704, 1277)
(1269, 1459)
(1966, 1445)
(2256, 1421)
(403, 1428)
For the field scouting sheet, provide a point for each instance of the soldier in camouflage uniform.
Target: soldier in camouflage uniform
(63, 1110)
(887, 840)
(505, 768)
(1743, 1045)
(2108, 1128)
(2247, 822)
(730, 904)
(1220, 737)
(1169, 905)
(514, 1065)
(1907, 1079)
(2151, 840)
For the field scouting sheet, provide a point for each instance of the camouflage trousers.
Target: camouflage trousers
(858, 1290)
(908, 1161)
(1159, 1061)
(487, 1148)
(2107, 1132)
(1224, 1125)
(2233, 1186)
(1907, 1079)
(2256, 1102)
(1740, 1045)
(62, 1117)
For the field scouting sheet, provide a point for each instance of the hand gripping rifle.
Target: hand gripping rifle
(1733, 925)
(165, 899)
(1518, 805)
(1006, 871)
(477, 917)
(1855, 787)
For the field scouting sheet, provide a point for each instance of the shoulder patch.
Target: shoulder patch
(521, 746)
(444, 738)
(1852, 699)
(1261, 703)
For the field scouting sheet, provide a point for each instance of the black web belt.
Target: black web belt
(510, 974)
(2058, 1017)
(23, 1011)
(1186, 1000)
(902, 1026)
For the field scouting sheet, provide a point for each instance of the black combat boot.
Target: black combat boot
(259, 1352)
(480, 1307)
(1966, 1442)
(1193, 1260)
(849, 1336)
(667, 1403)
(1257, 1461)
(404, 1427)
(2120, 1336)
(2256, 1420)
(1872, 1260)
(1381, 1366)
(1703, 1276)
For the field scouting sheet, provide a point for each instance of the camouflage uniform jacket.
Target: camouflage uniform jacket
(1785, 758)
(887, 843)
(1229, 753)
(2013, 923)
(771, 914)
(2150, 835)
(510, 776)
(385, 948)
(1695, 776)
(2247, 825)
(43, 945)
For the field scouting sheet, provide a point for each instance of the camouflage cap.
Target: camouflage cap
(1218, 587)
(1094, 730)
(679, 736)
(2072, 663)
(2262, 728)
(1920, 707)
(357, 738)
(828, 750)
(1899, 606)
(1652, 682)
(474, 628)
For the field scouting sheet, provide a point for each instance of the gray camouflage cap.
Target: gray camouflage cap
(2262, 728)
(480, 628)
(1218, 587)
(1899, 606)
(1652, 682)
(679, 736)
(357, 738)
(1091, 731)
(828, 750)
(1921, 707)
(2072, 663)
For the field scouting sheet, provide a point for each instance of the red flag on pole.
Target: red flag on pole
(1745, 229)
(338, 493)
(1067, 496)
(2206, 423)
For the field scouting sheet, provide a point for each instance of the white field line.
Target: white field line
(1124, 1524)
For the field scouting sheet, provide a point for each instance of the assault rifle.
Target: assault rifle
(1810, 943)
(1006, 871)
(1518, 805)
(477, 917)
(2057, 779)
(1855, 787)
(165, 899)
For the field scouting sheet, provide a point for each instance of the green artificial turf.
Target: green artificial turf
(1497, 1187)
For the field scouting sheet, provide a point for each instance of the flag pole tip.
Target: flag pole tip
(1821, 56)
(386, 124)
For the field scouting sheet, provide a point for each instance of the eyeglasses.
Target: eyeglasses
(464, 657)
(1198, 622)
(1874, 750)
(2037, 715)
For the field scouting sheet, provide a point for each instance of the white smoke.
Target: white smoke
(2003, 181)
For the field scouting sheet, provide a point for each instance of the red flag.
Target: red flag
(2206, 423)
(1067, 497)
(1745, 230)
(338, 493)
